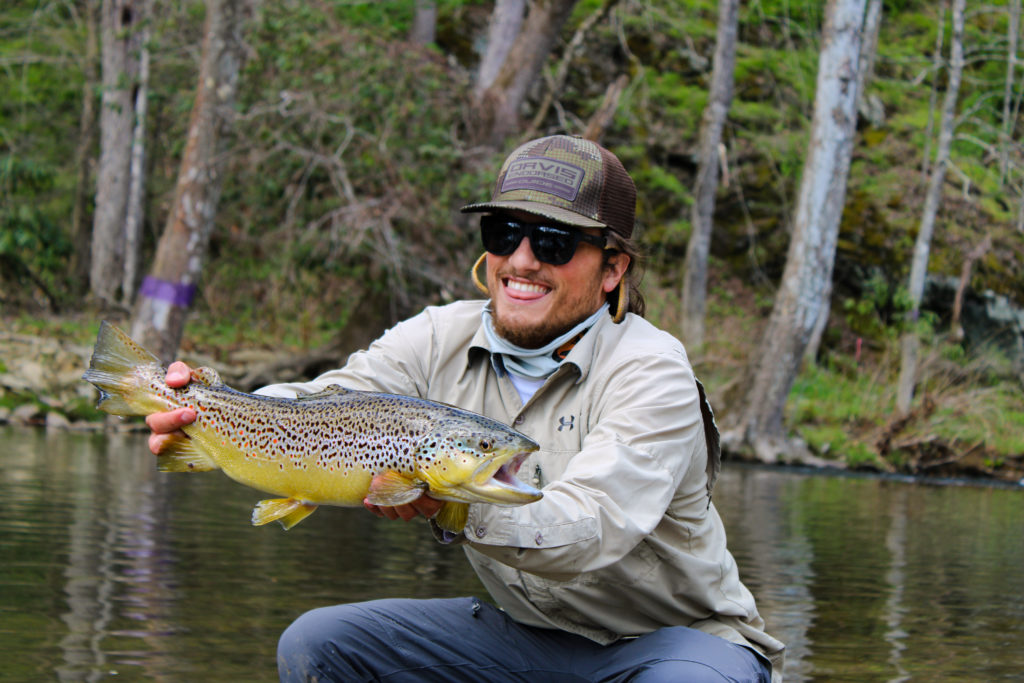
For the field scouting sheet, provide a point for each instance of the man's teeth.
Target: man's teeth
(526, 287)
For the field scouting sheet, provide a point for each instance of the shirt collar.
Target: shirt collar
(581, 356)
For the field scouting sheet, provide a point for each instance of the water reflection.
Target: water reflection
(112, 569)
(869, 579)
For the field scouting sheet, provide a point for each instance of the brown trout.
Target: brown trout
(321, 449)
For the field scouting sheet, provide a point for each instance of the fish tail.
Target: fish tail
(114, 358)
(452, 516)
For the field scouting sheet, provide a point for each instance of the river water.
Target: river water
(112, 571)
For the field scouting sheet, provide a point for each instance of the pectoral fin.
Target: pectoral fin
(392, 488)
(183, 455)
(287, 511)
(452, 516)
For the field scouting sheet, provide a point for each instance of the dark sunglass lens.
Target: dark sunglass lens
(500, 237)
(552, 245)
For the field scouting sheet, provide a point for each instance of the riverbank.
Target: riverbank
(41, 386)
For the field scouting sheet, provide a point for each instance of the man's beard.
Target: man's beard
(565, 317)
(536, 336)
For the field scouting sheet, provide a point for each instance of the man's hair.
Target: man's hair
(631, 278)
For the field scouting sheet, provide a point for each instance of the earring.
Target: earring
(621, 301)
(476, 276)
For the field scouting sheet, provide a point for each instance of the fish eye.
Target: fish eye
(485, 445)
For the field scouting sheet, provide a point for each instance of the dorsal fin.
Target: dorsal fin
(329, 390)
(207, 376)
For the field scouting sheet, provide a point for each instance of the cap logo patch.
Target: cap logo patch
(544, 175)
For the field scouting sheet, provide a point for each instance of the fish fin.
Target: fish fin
(452, 516)
(329, 390)
(185, 455)
(392, 488)
(207, 376)
(111, 369)
(287, 511)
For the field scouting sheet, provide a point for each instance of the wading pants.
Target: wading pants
(464, 639)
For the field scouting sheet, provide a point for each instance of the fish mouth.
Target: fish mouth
(495, 482)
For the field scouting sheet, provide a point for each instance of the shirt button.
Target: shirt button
(481, 531)
(538, 539)
(519, 420)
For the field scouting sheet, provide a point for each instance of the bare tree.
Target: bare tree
(869, 107)
(940, 36)
(496, 108)
(807, 277)
(1009, 115)
(695, 267)
(167, 293)
(601, 119)
(424, 25)
(134, 211)
(506, 22)
(910, 344)
(120, 42)
(556, 82)
(81, 227)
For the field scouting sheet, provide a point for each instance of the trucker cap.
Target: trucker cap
(568, 179)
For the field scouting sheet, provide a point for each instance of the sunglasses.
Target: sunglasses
(551, 244)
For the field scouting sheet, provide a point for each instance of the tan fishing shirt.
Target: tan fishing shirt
(625, 540)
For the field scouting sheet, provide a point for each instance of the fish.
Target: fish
(336, 447)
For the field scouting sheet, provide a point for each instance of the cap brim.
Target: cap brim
(555, 213)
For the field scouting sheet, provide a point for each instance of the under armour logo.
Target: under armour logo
(564, 423)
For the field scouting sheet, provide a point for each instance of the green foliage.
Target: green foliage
(31, 245)
(350, 156)
(879, 312)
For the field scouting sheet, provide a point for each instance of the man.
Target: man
(621, 571)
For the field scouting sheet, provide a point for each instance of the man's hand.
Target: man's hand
(166, 427)
(424, 505)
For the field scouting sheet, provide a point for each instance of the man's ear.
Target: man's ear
(615, 270)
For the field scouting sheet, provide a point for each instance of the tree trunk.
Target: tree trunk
(167, 293)
(869, 107)
(81, 228)
(933, 198)
(120, 41)
(808, 272)
(955, 328)
(135, 209)
(424, 25)
(601, 119)
(497, 107)
(557, 83)
(695, 267)
(506, 22)
(1012, 35)
(940, 35)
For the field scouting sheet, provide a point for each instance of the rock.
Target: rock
(26, 414)
(56, 421)
(32, 372)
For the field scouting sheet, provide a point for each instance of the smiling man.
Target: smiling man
(621, 571)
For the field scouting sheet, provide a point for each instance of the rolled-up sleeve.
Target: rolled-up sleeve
(644, 438)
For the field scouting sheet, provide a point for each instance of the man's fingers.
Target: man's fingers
(427, 506)
(159, 443)
(170, 421)
(178, 374)
(423, 506)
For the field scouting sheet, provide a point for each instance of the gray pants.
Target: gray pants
(464, 639)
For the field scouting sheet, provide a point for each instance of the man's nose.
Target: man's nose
(522, 258)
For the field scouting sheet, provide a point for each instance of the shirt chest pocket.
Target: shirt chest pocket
(545, 466)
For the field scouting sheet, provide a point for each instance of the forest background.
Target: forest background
(353, 140)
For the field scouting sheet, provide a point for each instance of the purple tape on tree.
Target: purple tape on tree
(176, 293)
